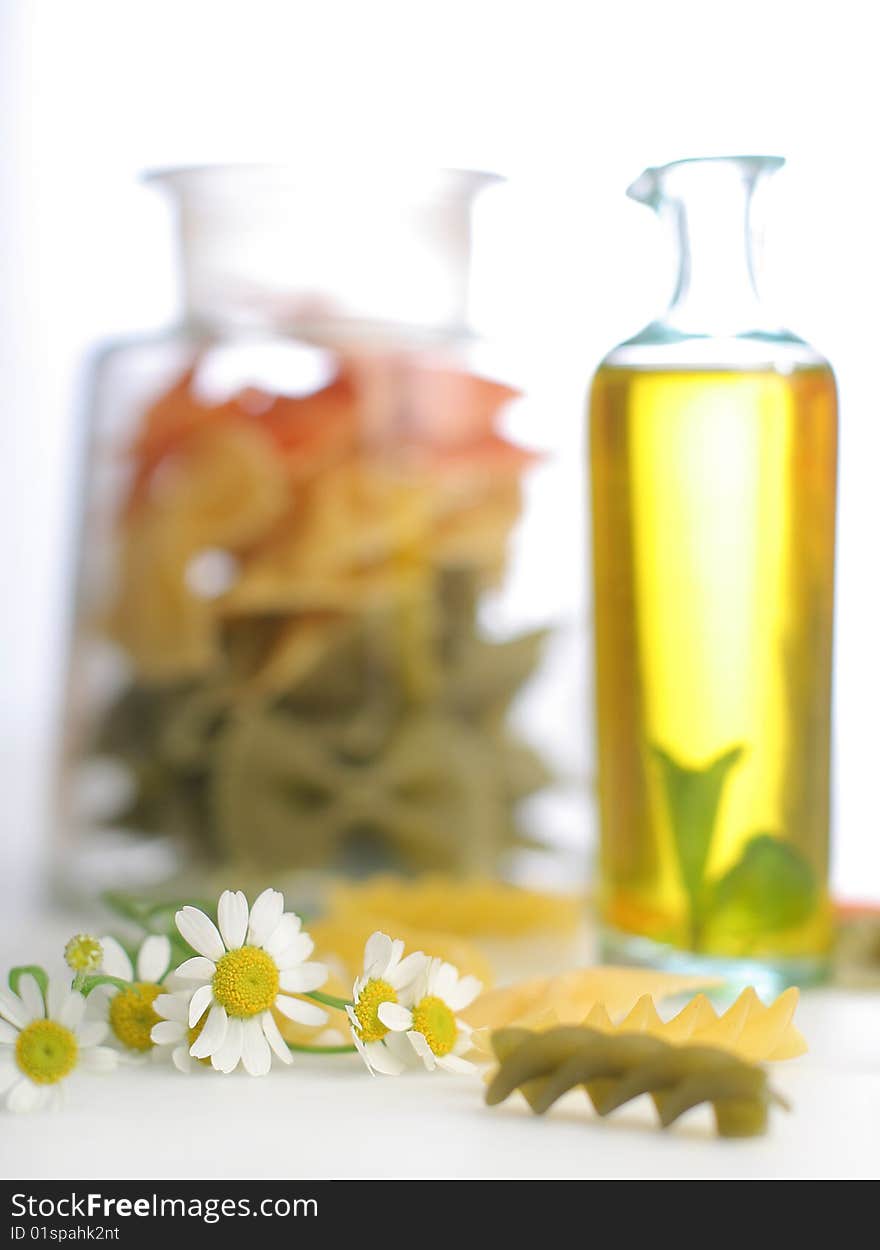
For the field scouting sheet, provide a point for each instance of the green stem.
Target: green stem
(329, 1000)
(322, 1050)
(91, 983)
(39, 975)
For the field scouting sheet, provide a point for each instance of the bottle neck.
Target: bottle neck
(715, 292)
(707, 207)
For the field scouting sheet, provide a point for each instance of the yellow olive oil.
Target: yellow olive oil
(713, 539)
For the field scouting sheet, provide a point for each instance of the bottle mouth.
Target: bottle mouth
(653, 184)
(340, 245)
(230, 182)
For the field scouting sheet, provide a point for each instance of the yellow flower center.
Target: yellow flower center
(370, 999)
(132, 1015)
(46, 1051)
(194, 1032)
(83, 953)
(246, 982)
(435, 1021)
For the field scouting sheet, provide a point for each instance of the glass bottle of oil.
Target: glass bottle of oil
(713, 453)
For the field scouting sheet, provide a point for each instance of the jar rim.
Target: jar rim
(241, 178)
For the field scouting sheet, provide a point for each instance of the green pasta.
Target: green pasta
(344, 767)
(615, 1068)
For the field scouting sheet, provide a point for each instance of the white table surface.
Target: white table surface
(327, 1118)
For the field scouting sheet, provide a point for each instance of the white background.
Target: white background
(571, 100)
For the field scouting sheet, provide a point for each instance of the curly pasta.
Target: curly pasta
(614, 1069)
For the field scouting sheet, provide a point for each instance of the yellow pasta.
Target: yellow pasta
(569, 997)
(220, 492)
(624, 1000)
(480, 908)
(748, 1028)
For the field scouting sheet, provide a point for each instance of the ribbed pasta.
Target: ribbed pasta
(615, 1068)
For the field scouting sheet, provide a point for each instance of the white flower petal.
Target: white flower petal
(419, 987)
(302, 1012)
(296, 950)
(443, 979)
(227, 1057)
(213, 1034)
(98, 1059)
(30, 994)
(26, 1096)
(114, 961)
(172, 1007)
(380, 1059)
(181, 1060)
(8, 1033)
(401, 1048)
(172, 984)
(154, 958)
(167, 1032)
(92, 1033)
(420, 1045)
(266, 915)
(196, 969)
(285, 931)
(395, 1017)
(403, 975)
(232, 917)
(9, 1072)
(464, 993)
(304, 977)
(135, 1058)
(198, 1004)
(98, 1000)
(454, 1063)
(462, 1049)
(273, 1036)
(255, 1053)
(56, 996)
(201, 932)
(377, 954)
(72, 1010)
(12, 1008)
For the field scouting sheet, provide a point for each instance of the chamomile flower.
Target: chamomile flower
(173, 1029)
(243, 971)
(42, 1044)
(435, 1032)
(130, 1012)
(387, 978)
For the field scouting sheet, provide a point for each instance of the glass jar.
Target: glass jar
(713, 449)
(294, 648)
